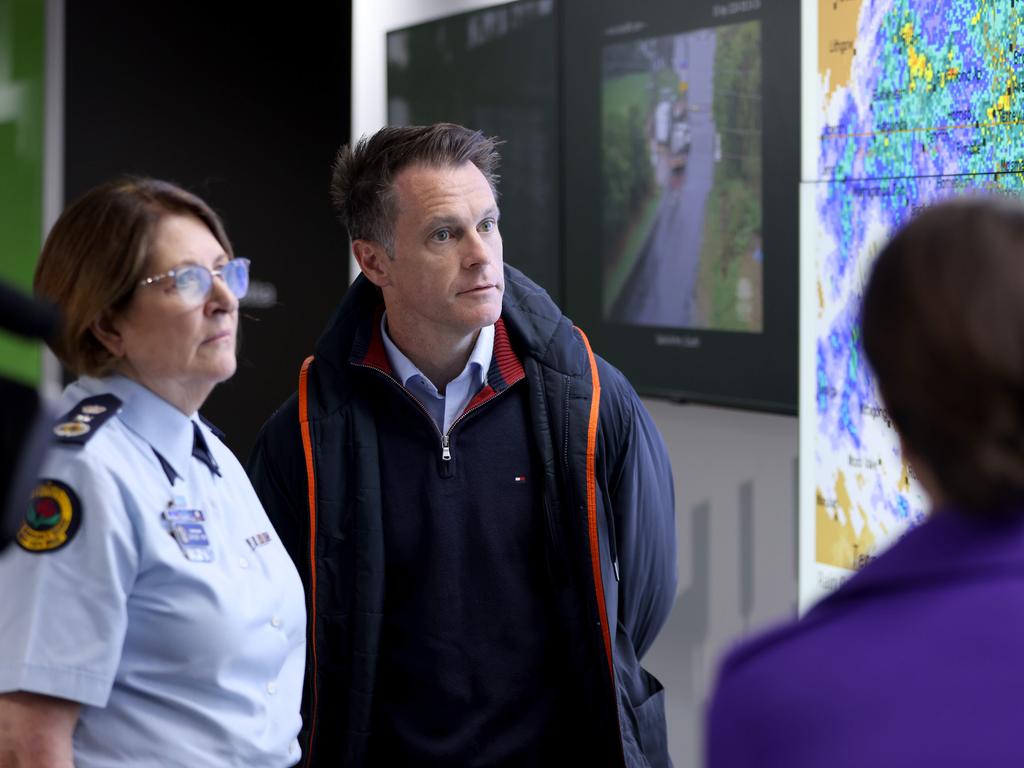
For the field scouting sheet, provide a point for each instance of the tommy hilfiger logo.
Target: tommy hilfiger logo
(258, 540)
(519, 478)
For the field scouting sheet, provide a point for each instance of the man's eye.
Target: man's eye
(442, 235)
(488, 225)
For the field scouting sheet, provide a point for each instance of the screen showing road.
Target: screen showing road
(681, 153)
(906, 102)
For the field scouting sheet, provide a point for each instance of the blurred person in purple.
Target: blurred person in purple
(916, 660)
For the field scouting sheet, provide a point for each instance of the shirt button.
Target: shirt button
(271, 688)
(276, 622)
(291, 748)
(243, 563)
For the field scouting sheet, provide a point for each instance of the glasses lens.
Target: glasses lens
(193, 283)
(236, 275)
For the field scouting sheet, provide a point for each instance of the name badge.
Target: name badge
(178, 515)
(194, 543)
(186, 528)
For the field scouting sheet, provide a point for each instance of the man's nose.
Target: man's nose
(480, 249)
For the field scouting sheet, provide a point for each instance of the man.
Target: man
(482, 510)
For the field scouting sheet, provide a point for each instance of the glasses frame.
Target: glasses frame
(214, 273)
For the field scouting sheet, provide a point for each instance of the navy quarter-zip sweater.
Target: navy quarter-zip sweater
(473, 657)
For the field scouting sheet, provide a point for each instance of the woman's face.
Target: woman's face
(179, 350)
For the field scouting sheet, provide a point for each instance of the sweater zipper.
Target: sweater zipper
(446, 449)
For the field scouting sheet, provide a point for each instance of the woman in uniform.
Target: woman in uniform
(150, 615)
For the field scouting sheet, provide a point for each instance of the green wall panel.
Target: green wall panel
(22, 35)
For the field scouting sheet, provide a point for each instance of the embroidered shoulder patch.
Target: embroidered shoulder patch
(53, 517)
(81, 422)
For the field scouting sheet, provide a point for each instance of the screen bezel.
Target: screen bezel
(755, 370)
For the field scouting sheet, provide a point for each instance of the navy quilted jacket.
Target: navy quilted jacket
(609, 505)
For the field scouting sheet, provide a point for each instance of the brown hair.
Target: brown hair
(943, 329)
(95, 255)
(362, 182)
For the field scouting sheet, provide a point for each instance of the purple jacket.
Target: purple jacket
(918, 660)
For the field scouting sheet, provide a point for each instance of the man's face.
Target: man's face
(446, 276)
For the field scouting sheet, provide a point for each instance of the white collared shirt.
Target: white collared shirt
(443, 409)
(176, 662)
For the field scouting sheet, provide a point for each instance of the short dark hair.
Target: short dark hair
(943, 330)
(95, 255)
(362, 184)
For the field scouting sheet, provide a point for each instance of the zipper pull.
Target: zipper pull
(446, 454)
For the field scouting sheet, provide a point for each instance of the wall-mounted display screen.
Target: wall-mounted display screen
(681, 173)
(496, 70)
(906, 102)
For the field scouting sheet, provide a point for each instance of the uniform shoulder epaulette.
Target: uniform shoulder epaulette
(78, 425)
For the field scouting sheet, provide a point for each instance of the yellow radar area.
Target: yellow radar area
(837, 31)
(839, 541)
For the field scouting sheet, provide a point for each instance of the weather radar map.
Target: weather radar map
(906, 102)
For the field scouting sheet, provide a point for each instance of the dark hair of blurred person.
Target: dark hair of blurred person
(25, 437)
(943, 325)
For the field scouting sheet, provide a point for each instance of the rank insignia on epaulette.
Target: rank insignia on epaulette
(53, 517)
(81, 422)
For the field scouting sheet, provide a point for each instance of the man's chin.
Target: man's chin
(490, 315)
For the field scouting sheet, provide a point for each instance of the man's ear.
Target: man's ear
(106, 331)
(373, 261)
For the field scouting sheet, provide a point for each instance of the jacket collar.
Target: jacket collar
(505, 368)
(475, 368)
(534, 326)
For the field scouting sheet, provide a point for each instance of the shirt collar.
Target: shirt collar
(478, 363)
(162, 425)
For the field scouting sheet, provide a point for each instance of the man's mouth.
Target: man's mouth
(480, 288)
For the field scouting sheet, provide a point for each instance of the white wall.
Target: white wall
(736, 506)
(53, 160)
(735, 472)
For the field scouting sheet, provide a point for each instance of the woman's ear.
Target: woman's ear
(106, 330)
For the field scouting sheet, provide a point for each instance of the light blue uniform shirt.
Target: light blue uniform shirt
(175, 662)
(443, 409)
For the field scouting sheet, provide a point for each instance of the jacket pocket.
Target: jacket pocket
(641, 709)
(650, 723)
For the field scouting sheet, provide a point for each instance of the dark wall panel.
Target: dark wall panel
(246, 107)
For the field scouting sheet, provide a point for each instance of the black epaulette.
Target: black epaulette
(219, 433)
(79, 424)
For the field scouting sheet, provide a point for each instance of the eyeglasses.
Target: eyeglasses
(194, 281)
